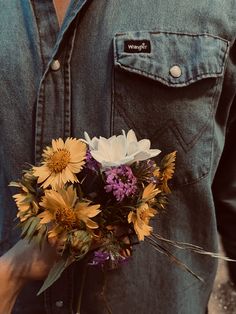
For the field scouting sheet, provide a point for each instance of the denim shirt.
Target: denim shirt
(166, 69)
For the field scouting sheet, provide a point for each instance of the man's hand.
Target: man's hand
(23, 262)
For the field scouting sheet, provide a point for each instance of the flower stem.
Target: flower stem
(82, 289)
(103, 293)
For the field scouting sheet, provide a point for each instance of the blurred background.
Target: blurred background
(223, 298)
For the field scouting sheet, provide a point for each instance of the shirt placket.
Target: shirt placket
(53, 110)
(48, 29)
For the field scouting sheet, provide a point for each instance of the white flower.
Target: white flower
(139, 149)
(120, 150)
(92, 143)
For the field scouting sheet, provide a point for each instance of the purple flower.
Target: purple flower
(121, 182)
(151, 166)
(91, 163)
(99, 258)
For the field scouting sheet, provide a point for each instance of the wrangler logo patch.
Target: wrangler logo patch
(137, 46)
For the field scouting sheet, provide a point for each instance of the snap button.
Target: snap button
(175, 71)
(55, 65)
(59, 303)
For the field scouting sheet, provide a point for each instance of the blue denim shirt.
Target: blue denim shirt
(166, 69)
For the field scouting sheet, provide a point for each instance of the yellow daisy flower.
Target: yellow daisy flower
(60, 163)
(140, 220)
(65, 212)
(25, 200)
(141, 217)
(150, 192)
(168, 170)
(27, 207)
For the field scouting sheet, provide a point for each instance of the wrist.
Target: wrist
(23, 262)
(28, 262)
(11, 267)
(11, 284)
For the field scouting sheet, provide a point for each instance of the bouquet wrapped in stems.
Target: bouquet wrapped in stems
(96, 197)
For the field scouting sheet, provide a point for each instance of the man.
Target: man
(164, 68)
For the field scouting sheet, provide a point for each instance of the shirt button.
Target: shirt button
(59, 303)
(55, 65)
(175, 71)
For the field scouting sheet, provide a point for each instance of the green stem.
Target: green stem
(82, 289)
(103, 293)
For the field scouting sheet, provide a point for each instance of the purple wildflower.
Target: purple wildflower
(99, 258)
(91, 163)
(151, 166)
(121, 182)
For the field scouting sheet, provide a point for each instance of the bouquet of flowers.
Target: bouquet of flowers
(93, 195)
(96, 197)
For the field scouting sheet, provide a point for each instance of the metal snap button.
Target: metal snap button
(175, 71)
(59, 303)
(55, 65)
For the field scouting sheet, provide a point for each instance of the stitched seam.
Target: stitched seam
(39, 34)
(175, 33)
(159, 78)
(205, 174)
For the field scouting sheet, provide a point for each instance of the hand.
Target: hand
(23, 262)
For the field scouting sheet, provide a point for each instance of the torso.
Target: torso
(61, 7)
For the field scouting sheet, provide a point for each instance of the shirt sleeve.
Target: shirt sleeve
(224, 191)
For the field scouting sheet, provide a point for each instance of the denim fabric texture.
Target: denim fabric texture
(116, 72)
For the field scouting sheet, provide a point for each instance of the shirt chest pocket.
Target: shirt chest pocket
(166, 87)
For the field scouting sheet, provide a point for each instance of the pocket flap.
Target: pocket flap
(174, 59)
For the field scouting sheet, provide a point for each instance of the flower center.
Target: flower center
(65, 217)
(59, 160)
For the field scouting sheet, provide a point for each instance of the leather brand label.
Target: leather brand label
(137, 46)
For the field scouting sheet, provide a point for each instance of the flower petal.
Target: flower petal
(42, 172)
(131, 137)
